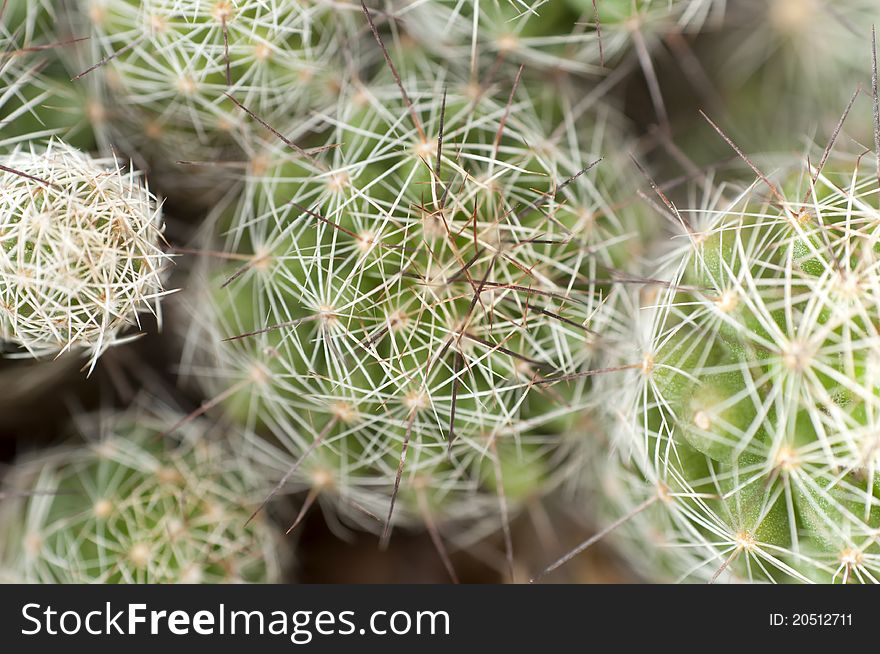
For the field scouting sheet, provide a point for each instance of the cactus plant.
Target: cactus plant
(81, 253)
(130, 507)
(541, 34)
(170, 67)
(747, 427)
(411, 314)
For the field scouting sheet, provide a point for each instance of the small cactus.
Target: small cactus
(130, 507)
(410, 309)
(80, 250)
(170, 68)
(749, 418)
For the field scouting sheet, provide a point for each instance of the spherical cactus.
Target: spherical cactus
(170, 68)
(81, 253)
(748, 421)
(417, 307)
(130, 507)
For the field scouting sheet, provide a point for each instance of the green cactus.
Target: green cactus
(170, 68)
(408, 301)
(807, 57)
(131, 507)
(750, 419)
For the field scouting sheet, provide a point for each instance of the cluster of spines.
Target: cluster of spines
(80, 250)
(176, 74)
(745, 447)
(410, 311)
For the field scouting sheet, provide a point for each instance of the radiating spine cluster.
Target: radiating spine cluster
(747, 433)
(575, 36)
(410, 312)
(81, 251)
(174, 71)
